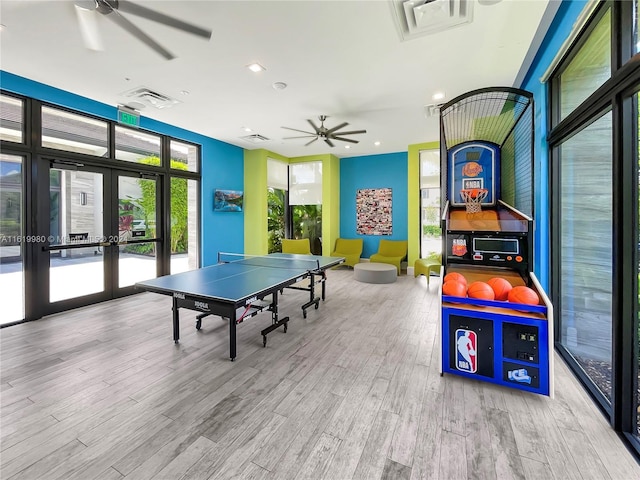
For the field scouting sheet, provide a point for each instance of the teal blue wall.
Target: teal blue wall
(374, 171)
(558, 32)
(222, 164)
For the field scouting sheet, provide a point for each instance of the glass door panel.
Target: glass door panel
(184, 225)
(636, 360)
(76, 225)
(586, 268)
(11, 238)
(137, 258)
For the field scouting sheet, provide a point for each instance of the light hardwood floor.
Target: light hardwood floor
(352, 391)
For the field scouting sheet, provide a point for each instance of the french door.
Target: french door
(100, 233)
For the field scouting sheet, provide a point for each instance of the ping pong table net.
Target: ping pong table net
(270, 261)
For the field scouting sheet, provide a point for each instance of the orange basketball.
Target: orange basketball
(481, 290)
(454, 289)
(523, 295)
(456, 277)
(501, 287)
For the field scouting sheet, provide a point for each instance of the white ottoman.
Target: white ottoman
(375, 272)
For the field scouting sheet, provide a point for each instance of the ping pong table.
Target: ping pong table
(235, 288)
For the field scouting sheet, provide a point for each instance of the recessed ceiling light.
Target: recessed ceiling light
(247, 129)
(438, 96)
(376, 144)
(184, 92)
(256, 67)
(279, 86)
(347, 146)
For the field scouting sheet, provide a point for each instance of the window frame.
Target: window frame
(619, 94)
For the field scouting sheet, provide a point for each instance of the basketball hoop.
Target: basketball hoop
(473, 197)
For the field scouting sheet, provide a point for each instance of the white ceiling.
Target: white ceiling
(344, 59)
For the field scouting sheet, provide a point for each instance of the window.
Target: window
(430, 203)
(588, 69)
(586, 258)
(277, 201)
(594, 211)
(93, 190)
(305, 199)
(185, 156)
(184, 224)
(11, 232)
(136, 146)
(636, 319)
(636, 33)
(11, 119)
(73, 133)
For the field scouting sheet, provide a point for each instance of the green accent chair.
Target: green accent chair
(350, 249)
(391, 252)
(301, 246)
(424, 266)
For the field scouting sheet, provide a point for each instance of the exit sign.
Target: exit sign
(128, 117)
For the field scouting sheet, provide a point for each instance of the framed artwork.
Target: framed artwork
(227, 201)
(373, 211)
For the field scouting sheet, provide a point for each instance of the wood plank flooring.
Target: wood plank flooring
(350, 392)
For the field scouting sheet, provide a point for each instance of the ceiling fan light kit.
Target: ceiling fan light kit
(324, 133)
(87, 12)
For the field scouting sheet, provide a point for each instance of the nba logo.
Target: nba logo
(466, 347)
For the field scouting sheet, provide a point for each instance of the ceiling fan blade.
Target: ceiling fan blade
(88, 24)
(116, 17)
(301, 136)
(345, 139)
(302, 131)
(310, 142)
(328, 142)
(353, 132)
(342, 125)
(317, 129)
(144, 12)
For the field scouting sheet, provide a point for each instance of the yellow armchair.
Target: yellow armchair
(301, 246)
(350, 249)
(425, 266)
(391, 252)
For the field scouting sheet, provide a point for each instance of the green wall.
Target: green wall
(255, 199)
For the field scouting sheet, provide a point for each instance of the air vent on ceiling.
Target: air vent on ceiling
(415, 18)
(432, 110)
(255, 138)
(150, 97)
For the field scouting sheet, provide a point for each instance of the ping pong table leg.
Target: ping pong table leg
(313, 300)
(275, 321)
(232, 335)
(176, 320)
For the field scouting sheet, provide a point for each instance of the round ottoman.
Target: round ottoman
(375, 272)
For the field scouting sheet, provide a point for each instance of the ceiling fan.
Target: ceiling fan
(327, 134)
(88, 10)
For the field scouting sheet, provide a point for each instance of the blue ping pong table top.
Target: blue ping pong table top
(242, 279)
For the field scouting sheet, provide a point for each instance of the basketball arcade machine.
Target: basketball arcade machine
(487, 184)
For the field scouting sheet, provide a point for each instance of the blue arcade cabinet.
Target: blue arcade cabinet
(487, 226)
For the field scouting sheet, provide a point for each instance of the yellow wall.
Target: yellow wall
(255, 200)
(413, 191)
